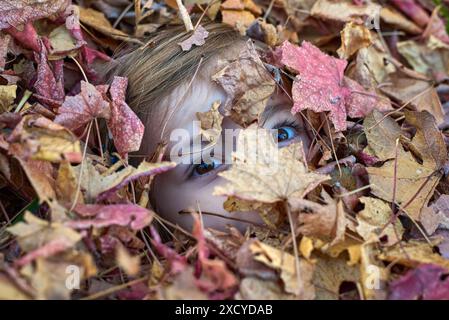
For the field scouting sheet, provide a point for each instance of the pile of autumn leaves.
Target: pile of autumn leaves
(372, 220)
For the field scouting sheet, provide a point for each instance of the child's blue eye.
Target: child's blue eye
(285, 133)
(203, 167)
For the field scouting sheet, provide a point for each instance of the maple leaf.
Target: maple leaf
(321, 84)
(415, 182)
(17, 12)
(262, 172)
(78, 110)
(126, 128)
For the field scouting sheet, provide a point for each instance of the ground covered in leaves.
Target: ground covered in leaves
(363, 214)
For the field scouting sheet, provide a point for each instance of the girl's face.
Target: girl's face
(189, 186)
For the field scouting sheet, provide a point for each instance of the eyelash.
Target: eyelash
(283, 123)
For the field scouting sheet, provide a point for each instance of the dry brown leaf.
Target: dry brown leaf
(396, 19)
(285, 264)
(373, 274)
(381, 135)
(248, 86)
(264, 173)
(413, 253)
(418, 93)
(66, 184)
(325, 222)
(211, 122)
(96, 20)
(374, 217)
(353, 37)
(130, 264)
(344, 10)
(436, 216)
(7, 97)
(38, 138)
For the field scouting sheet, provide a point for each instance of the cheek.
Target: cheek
(169, 197)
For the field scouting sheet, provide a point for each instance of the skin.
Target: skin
(183, 188)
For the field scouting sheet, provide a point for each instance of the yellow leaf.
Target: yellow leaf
(285, 264)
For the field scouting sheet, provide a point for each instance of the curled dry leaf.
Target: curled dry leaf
(98, 21)
(100, 216)
(325, 222)
(7, 97)
(198, 38)
(211, 122)
(285, 264)
(262, 172)
(353, 37)
(39, 138)
(130, 264)
(248, 86)
(100, 187)
(126, 128)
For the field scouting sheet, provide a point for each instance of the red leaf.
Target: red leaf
(27, 38)
(78, 110)
(177, 262)
(321, 85)
(425, 282)
(49, 249)
(114, 214)
(17, 12)
(126, 128)
(49, 84)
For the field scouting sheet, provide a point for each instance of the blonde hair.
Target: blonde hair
(154, 70)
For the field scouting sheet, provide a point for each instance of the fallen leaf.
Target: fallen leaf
(17, 12)
(211, 122)
(100, 216)
(353, 38)
(97, 186)
(126, 128)
(40, 238)
(130, 264)
(198, 38)
(7, 97)
(426, 282)
(285, 264)
(344, 10)
(38, 138)
(96, 20)
(374, 217)
(321, 85)
(262, 172)
(78, 110)
(248, 86)
(413, 253)
(436, 216)
(258, 289)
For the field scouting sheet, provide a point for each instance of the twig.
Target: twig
(184, 16)
(295, 243)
